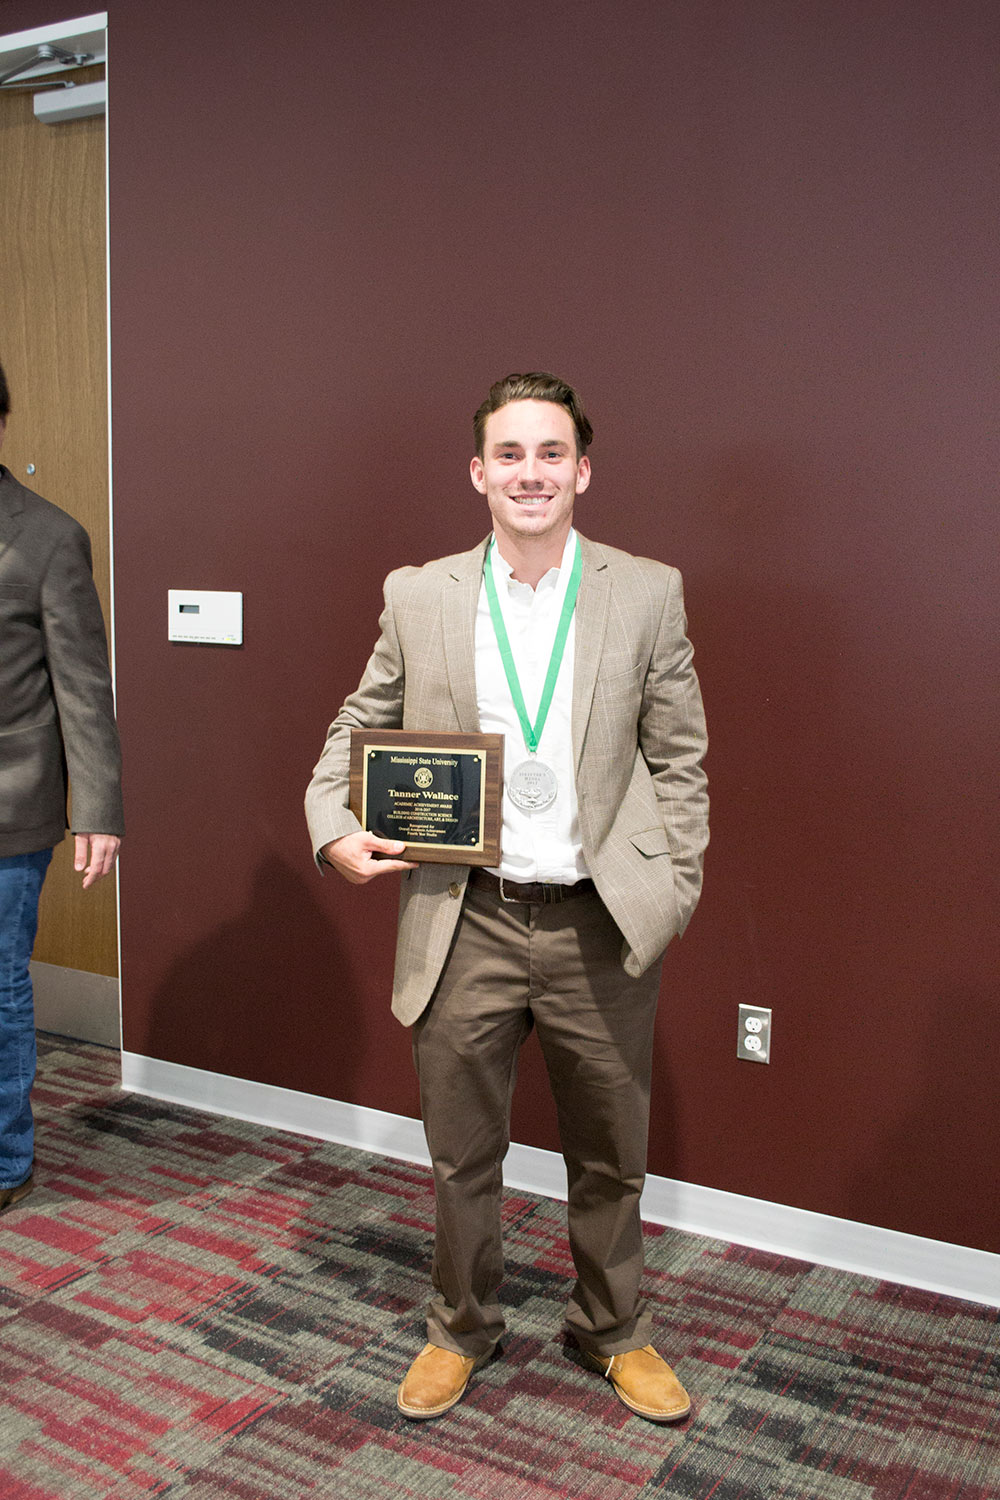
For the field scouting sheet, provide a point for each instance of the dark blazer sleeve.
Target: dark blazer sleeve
(77, 658)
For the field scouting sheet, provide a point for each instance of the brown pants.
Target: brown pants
(556, 967)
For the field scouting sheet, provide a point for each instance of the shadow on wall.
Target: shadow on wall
(251, 1018)
(809, 790)
(844, 882)
(927, 1136)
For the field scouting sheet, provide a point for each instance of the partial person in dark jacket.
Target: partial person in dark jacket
(56, 721)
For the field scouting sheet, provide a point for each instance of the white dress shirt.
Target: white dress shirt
(541, 845)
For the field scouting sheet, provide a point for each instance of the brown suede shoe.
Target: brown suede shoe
(645, 1382)
(435, 1381)
(10, 1196)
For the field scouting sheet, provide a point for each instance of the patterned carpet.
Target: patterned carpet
(199, 1308)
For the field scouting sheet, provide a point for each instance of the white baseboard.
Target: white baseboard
(865, 1249)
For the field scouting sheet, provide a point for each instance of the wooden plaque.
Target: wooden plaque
(440, 793)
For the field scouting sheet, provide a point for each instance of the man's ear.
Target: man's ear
(478, 474)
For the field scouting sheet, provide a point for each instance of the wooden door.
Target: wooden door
(53, 345)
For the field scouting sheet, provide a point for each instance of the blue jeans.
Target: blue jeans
(21, 877)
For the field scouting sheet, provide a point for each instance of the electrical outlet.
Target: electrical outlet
(754, 1041)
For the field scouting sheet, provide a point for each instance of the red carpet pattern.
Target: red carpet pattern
(203, 1309)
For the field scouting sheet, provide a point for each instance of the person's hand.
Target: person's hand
(360, 856)
(95, 855)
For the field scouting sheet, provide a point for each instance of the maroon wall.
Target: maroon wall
(762, 241)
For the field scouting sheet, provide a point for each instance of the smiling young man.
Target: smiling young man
(577, 653)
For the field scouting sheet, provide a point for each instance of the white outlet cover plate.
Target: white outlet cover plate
(754, 1040)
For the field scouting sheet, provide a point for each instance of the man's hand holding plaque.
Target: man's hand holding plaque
(360, 856)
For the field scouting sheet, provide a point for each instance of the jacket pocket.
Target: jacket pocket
(618, 675)
(651, 842)
(32, 781)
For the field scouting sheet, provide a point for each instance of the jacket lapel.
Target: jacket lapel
(459, 602)
(591, 623)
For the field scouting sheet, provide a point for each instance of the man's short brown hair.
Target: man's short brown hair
(537, 386)
(4, 397)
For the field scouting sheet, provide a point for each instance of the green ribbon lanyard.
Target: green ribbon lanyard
(532, 733)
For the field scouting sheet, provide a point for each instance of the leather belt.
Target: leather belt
(529, 893)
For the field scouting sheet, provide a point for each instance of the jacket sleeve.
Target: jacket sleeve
(377, 703)
(673, 740)
(76, 655)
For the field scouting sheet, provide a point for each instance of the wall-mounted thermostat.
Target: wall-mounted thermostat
(206, 617)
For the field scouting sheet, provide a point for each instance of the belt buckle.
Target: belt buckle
(508, 900)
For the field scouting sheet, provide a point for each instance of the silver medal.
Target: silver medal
(532, 786)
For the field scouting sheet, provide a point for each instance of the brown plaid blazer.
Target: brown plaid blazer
(638, 734)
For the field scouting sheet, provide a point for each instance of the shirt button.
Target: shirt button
(454, 889)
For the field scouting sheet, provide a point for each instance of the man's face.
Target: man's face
(529, 471)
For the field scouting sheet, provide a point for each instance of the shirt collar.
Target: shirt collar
(503, 570)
